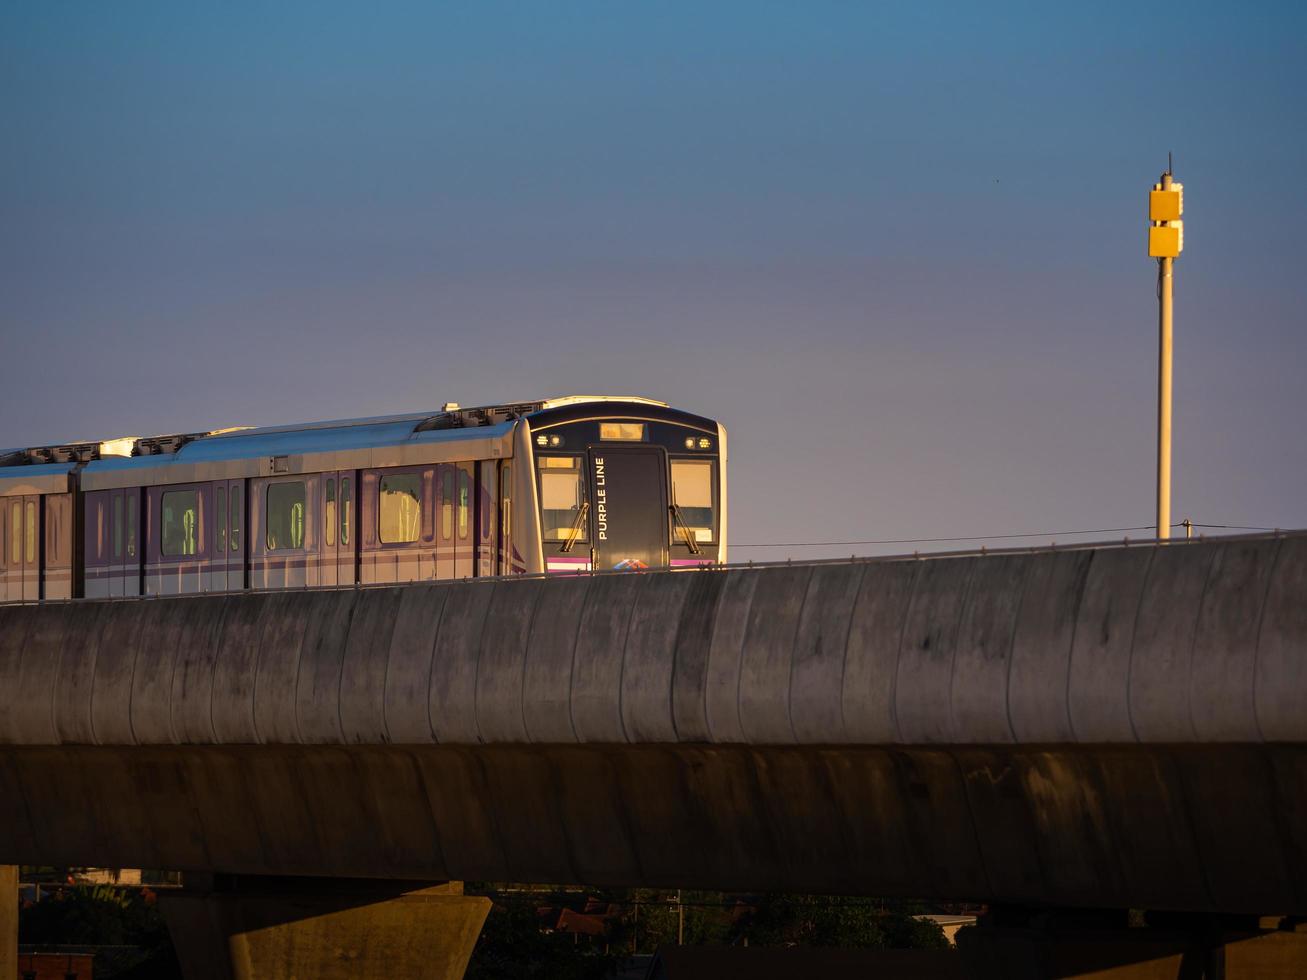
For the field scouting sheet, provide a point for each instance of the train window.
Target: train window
(329, 513)
(29, 533)
(345, 504)
(235, 535)
(692, 482)
(117, 525)
(562, 499)
(181, 512)
(58, 521)
(447, 503)
(16, 534)
(464, 501)
(400, 512)
(285, 510)
(131, 524)
(53, 522)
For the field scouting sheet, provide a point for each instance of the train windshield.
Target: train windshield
(563, 500)
(692, 496)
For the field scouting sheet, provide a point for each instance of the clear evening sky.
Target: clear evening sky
(898, 249)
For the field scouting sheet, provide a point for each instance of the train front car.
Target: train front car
(622, 484)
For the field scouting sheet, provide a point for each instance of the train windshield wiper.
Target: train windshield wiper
(576, 527)
(689, 538)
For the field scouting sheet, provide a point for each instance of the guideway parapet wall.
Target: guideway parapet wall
(1109, 727)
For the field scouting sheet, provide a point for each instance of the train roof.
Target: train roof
(452, 416)
(475, 432)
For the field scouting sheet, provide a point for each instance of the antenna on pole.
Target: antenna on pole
(1165, 243)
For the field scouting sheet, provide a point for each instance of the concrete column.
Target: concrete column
(1215, 950)
(257, 928)
(8, 921)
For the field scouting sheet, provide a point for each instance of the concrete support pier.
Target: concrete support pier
(8, 921)
(228, 927)
(1052, 946)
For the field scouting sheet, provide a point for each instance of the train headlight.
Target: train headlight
(555, 441)
(689, 442)
(542, 440)
(705, 443)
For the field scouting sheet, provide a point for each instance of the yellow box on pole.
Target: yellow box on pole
(1165, 241)
(1166, 205)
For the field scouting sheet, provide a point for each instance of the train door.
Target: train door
(487, 512)
(57, 569)
(629, 512)
(4, 550)
(332, 484)
(117, 505)
(125, 542)
(227, 565)
(464, 533)
(10, 567)
(235, 518)
(445, 493)
(346, 537)
(31, 548)
(215, 579)
(24, 548)
(23, 584)
(505, 518)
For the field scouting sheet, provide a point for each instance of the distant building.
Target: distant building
(55, 966)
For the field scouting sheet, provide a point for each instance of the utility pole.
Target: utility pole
(1165, 243)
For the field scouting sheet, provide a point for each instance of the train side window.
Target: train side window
(285, 513)
(29, 533)
(117, 525)
(179, 532)
(329, 513)
(399, 515)
(346, 501)
(692, 493)
(447, 503)
(464, 502)
(235, 519)
(562, 497)
(58, 525)
(131, 524)
(220, 523)
(16, 533)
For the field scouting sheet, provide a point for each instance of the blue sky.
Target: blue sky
(897, 248)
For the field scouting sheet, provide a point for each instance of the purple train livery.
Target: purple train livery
(562, 485)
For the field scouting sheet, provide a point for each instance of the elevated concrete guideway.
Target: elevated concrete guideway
(1111, 727)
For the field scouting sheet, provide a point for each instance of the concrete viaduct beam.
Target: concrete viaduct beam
(1099, 727)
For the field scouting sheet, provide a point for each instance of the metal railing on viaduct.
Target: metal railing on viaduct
(1110, 726)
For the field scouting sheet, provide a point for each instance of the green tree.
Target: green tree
(512, 946)
(96, 916)
(707, 918)
(105, 916)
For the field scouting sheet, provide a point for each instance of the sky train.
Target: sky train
(560, 485)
